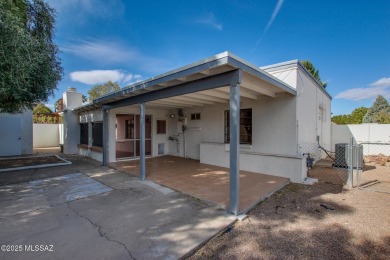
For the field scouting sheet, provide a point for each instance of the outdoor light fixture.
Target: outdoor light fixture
(172, 115)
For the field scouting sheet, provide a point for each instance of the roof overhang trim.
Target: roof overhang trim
(218, 60)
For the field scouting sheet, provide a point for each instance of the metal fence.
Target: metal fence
(365, 165)
(375, 173)
(329, 166)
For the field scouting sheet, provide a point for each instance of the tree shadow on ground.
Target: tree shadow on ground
(306, 222)
(328, 242)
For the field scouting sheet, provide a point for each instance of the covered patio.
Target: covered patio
(203, 181)
(221, 79)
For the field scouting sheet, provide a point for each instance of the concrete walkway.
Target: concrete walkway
(115, 217)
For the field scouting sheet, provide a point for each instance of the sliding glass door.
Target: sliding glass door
(128, 136)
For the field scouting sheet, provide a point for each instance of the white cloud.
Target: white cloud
(83, 8)
(102, 51)
(92, 77)
(271, 21)
(383, 82)
(132, 78)
(109, 52)
(210, 20)
(379, 87)
(274, 14)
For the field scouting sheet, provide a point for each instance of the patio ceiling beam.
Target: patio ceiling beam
(153, 103)
(243, 93)
(192, 100)
(183, 79)
(166, 103)
(211, 82)
(202, 96)
(258, 89)
(179, 102)
(215, 93)
(205, 72)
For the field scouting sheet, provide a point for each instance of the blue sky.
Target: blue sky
(127, 41)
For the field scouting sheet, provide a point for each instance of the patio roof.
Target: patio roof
(215, 70)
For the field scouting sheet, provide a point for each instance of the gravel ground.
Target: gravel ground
(323, 221)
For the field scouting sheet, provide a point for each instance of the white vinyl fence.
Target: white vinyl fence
(364, 133)
(373, 136)
(47, 135)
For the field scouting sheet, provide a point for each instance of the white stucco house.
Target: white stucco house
(222, 111)
(16, 134)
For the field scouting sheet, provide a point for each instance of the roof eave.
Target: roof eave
(224, 58)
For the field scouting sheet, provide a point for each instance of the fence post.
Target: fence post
(359, 168)
(350, 165)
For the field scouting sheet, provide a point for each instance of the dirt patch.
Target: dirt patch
(325, 172)
(323, 221)
(12, 163)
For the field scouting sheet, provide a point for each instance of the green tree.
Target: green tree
(356, 117)
(29, 66)
(379, 106)
(102, 89)
(313, 71)
(42, 109)
(382, 117)
(340, 119)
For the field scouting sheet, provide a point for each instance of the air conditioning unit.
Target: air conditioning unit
(341, 155)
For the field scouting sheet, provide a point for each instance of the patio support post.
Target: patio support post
(105, 137)
(142, 142)
(234, 193)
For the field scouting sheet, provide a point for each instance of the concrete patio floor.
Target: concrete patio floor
(206, 182)
(86, 211)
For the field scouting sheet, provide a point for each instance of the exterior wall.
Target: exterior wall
(71, 131)
(98, 156)
(313, 109)
(16, 134)
(284, 166)
(273, 126)
(274, 137)
(46, 135)
(287, 75)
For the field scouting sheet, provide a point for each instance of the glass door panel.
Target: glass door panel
(148, 135)
(125, 141)
(148, 147)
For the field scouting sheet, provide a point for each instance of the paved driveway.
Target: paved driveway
(86, 211)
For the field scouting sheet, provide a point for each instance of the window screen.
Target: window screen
(195, 116)
(161, 126)
(245, 126)
(97, 134)
(84, 133)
